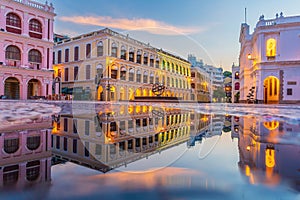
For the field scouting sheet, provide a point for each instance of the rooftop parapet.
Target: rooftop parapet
(280, 19)
(34, 4)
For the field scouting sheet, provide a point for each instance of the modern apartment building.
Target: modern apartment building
(26, 45)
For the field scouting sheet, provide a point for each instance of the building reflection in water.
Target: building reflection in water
(26, 154)
(269, 152)
(118, 135)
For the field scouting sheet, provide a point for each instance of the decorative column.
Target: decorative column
(25, 27)
(45, 29)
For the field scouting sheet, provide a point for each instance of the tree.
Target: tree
(227, 74)
(218, 94)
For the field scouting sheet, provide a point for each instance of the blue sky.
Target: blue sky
(209, 29)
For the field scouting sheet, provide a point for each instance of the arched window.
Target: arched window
(145, 58)
(123, 52)
(35, 56)
(237, 75)
(138, 76)
(114, 72)
(114, 50)
(157, 78)
(13, 53)
(237, 86)
(33, 170)
(99, 75)
(13, 23)
(131, 55)
(11, 145)
(33, 142)
(35, 29)
(139, 57)
(151, 78)
(100, 49)
(271, 48)
(145, 77)
(151, 61)
(76, 70)
(123, 73)
(157, 62)
(131, 74)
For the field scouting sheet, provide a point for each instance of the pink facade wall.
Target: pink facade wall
(23, 70)
(23, 155)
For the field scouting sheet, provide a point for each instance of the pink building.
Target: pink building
(26, 45)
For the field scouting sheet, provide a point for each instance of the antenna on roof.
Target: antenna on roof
(245, 15)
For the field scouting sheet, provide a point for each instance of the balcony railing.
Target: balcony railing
(34, 4)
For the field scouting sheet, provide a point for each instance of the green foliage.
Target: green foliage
(227, 74)
(219, 93)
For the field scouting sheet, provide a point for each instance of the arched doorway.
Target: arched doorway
(100, 93)
(271, 90)
(138, 92)
(130, 94)
(122, 93)
(33, 88)
(12, 88)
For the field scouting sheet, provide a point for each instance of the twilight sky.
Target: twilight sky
(209, 29)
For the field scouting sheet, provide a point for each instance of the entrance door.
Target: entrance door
(271, 90)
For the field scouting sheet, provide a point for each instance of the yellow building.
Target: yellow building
(118, 134)
(201, 85)
(108, 66)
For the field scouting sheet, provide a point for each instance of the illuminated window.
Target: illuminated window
(237, 75)
(271, 48)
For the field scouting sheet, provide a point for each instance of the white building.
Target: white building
(235, 83)
(270, 60)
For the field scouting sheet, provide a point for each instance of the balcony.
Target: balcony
(34, 4)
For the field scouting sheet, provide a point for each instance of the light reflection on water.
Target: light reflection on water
(123, 152)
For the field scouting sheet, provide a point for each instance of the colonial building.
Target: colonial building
(269, 60)
(268, 152)
(108, 66)
(26, 44)
(116, 135)
(235, 83)
(201, 85)
(25, 156)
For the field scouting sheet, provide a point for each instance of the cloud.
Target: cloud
(140, 24)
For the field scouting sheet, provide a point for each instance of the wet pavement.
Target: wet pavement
(154, 151)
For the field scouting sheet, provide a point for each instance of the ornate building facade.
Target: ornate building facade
(26, 45)
(108, 66)
(25, 156)
(119, 134)
(267, 152)
(269, 60)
